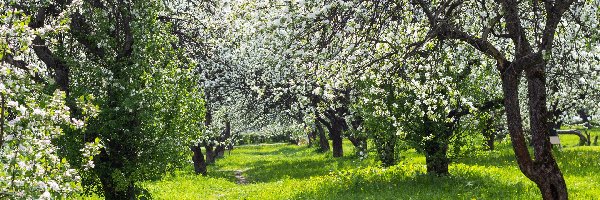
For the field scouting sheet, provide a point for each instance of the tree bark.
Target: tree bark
(551, 184)
(336, 126)
(198, 159)
(336, 141)
(220, 149)
(360, 144)
(323, 142)
(585, 118)
(544, 170)
(436, 157)
(311, 136)
(59, 69)
(489, 133)
(210, 153)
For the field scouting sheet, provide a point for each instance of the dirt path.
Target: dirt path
(240, 178)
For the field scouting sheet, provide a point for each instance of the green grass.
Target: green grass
(295, 172)
(573, 140)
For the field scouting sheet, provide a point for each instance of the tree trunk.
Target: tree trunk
(585, 118)
(210, 153)
(311, 136)
(550, 181)
(105, 167)
(220, 149)
(198, 159)
(59, 68)
(489, 133)
(436, 157)
(335, 126)
(386, 147)
(323, 142)
(111, 192)
(544, 170)
(589, 138)
(336, 140)
(360, 144)
(490, 141)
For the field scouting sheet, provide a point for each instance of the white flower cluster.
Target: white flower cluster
(30, 167)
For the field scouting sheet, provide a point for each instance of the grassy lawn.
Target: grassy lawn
(297, 172)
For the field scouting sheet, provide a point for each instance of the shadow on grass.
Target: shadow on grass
(300, 168)
(229, 175)
(263, 164)
(293, 169)
(498, 159)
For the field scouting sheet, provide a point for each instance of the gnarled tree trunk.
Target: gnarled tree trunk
(335, 133)
(210, 153)
(543, 170)
(198, 159)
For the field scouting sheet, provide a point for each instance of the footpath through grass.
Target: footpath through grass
(297, 172)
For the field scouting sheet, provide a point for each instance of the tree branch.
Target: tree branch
(8, 58)
(445, 30)
(80, 30)
(554, 14)
(514, 27)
